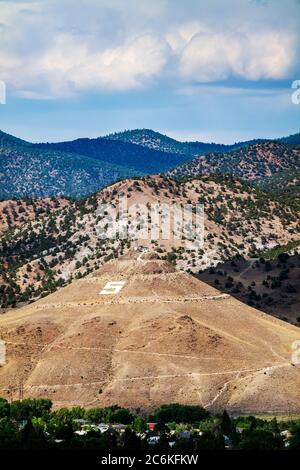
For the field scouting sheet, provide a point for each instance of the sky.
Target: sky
(208, 70)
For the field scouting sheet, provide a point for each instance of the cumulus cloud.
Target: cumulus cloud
(54, 49)
(211, 56)
(68, 66)
(125, 67)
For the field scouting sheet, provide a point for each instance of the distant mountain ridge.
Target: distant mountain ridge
(139, 158)
(82, 166)
(157, 141)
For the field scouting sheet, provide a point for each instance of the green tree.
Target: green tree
(180, 413)
(94, 415)
(260, 439)
(32, 437)
(25, 409)
(4, 408)
(9, 436)
(294, 441)
(115, 414)
(227, 426)
(210, 441)
(139, 424)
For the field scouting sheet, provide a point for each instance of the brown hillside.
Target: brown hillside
(165, 337)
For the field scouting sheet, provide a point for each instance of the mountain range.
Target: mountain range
(157, 141)
(82, 166)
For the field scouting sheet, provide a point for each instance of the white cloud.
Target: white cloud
(61, 56)
(211, 56)
(58, 48)
(69, 66)
(125, 67)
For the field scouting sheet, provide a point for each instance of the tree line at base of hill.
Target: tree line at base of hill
(33, 424)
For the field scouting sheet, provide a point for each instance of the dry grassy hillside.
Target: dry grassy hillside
(164, 337)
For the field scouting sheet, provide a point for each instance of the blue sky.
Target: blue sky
(197, 70)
